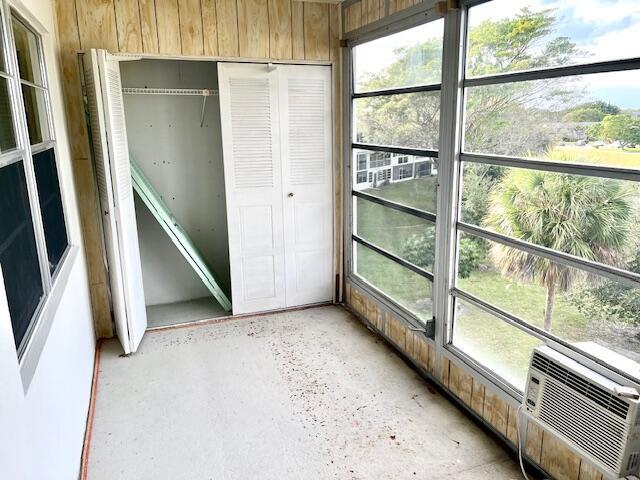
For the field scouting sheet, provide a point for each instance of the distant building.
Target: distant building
(378, 168)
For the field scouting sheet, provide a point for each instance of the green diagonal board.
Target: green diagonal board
(178, 236)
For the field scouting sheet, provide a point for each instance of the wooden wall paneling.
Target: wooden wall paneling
(557, 460)
(533, 443)
(69, 45)
(316, 31)
(334, 53)
(280, 45)
(148, 26)
(129, 27)
(496, 411)
(410, 343)
(297, 29)
(209, 27)
(444, 371)
(168, 19)
(587, 472)
(460, 383)
(477, 397)
(373, 10)
(253, 28)
(69, 42)
(97, 24)
(512, 424)
(355, 16)
(91, 233)
(227, 23)
(101, 311)
(191, 39)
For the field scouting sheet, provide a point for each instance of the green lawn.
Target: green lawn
(390, 229)
(606, 156)
(497, 344)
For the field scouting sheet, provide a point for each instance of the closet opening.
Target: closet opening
(174, 136)
(215, 182)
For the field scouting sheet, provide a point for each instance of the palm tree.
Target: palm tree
(583, 216)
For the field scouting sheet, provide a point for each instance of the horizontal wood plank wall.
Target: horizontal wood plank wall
(277, 29)
(482, 398)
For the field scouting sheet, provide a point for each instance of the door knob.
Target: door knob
(290, 194)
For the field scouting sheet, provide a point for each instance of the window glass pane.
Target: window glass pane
(408, 120)
(37, 122)
(55, 232)
(585, 118)
(590, 217)
(18, 253)
(405, 59)
(564, 301)
(403, 286)
(7, 132)
(494, 343)
(27, 52)
(514, 35)
(417, 191)
(409, 237)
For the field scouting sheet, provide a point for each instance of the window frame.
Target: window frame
(448, 162)
(351, 145)
(53, 283)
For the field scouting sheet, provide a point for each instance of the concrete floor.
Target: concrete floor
(180, 312)
(310, 394)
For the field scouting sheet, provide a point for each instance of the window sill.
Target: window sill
(39, 334)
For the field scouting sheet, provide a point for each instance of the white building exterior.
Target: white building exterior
(379, 168)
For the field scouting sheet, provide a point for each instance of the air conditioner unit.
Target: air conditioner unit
(596, 416)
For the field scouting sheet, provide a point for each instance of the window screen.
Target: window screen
(18, 253)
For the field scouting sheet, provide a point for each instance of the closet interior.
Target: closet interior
(173, 127)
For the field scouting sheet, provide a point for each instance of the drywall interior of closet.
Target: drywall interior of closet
(183, 161)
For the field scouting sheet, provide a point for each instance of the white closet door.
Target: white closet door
(252, 170)
(104, 93)
(305, 119)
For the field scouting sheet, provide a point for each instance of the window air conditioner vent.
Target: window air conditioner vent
(593, 392)
(583, 423)
(589, 409)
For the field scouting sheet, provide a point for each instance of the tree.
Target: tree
(621, 128)
(518, 43)
(420, 250)
(590, 112)
(584, 216)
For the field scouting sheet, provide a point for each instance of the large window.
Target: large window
(396, 108)
(542, 157)
(33, 234)
(548, 244)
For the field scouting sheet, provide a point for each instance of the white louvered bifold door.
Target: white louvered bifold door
(305, 123)
(252, 170)
(104, 92)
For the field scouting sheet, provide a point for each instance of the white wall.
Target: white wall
(42, 430)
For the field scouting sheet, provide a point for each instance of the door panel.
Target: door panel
(104, 93)
(251, 147)
(305, 117)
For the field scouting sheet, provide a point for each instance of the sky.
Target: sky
(607, 29)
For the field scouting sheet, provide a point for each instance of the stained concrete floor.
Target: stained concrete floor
(310, 394)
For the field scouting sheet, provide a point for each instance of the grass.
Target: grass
(390, 229)
(499, 345)
(629, 158)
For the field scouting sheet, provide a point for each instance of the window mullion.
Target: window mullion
(448, 173)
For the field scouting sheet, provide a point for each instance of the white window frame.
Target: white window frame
(30, 348)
